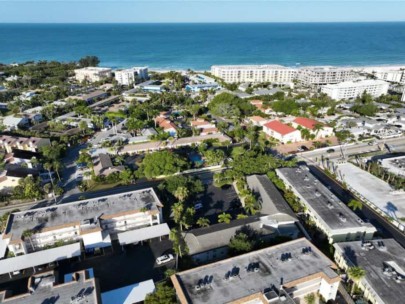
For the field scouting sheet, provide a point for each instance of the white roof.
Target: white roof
(89, 244)
(129, 294)
(12, 120)
(3, 246)
(133, 236)
(348, 84)
(39, 258)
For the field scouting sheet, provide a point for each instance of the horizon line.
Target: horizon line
(209, 22)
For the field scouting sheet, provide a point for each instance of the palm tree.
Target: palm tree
(250, 204)
(355, 204)
(177, 210)
(224, 218)
(181, 193)
(203, 222)
(355, 274)
(48, 167)
(28, 234)
(57, 166)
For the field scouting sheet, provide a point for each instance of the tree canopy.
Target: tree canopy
(89, 61)
(230, 106)
(162, 163)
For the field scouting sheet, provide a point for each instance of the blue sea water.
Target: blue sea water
(198, 46)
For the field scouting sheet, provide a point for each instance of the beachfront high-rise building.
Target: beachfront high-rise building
(317, 76)
(92, 74)
(352, 89)
(390, 74)
(254, 73)
(131, 76)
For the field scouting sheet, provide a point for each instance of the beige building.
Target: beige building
(92, 74)
(95, 222)
(384, 265)
(327, 211)
(45, 288)
(317, 76)
(284, 273)
(33, 144)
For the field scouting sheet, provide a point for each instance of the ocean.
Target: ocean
(198, 46)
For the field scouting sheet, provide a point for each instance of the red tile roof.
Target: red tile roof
(306, 122)
(279, 127)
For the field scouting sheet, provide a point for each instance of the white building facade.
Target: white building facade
(254, 73)
(316, 76)
(353, 89)
(92, 74)
(131, 76)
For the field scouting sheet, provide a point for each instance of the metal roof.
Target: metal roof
(39, 258)
(138, 235)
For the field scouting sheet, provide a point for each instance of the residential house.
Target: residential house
(13, 122)
(33, 144)
(167, 125)
(282, 132)
(312, 125)
(103, 166)
(257, 121)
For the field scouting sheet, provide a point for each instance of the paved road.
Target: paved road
(316, 155)
(383, 226)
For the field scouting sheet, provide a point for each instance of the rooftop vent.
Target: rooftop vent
(306, 178)
(330, 205)
(306, 250)
(253, 267)
(342, 217)
(380, 244)
(317, 193)
(286, 257)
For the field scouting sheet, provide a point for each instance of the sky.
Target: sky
(156, 11)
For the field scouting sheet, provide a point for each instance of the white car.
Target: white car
(164, 259)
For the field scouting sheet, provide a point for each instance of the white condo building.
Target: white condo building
(254, 73)
(128, 217)
(131, 76)
(92, 74)
(315, 76)
(352, 89)
(390, 74)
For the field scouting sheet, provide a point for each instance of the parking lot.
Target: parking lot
(217, 200)
(118, 268)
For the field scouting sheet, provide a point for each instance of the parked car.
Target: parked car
(330, 150)
(198, 206)
(164, 259)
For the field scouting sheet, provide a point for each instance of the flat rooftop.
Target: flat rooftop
(71, 213)
(373, 261)
(374, 190)
(334, 213)
(81, 290)
(230, 280)
(250, 67)
(361, 83)
(395, 165)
